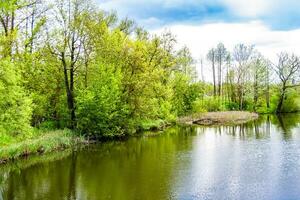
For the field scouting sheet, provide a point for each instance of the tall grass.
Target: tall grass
(43, 143)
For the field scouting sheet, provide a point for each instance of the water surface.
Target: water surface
(259, 160)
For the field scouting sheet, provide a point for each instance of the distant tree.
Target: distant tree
(242, 56)
(221, 54)
(260, 74)
(211, 56)
(185, 63)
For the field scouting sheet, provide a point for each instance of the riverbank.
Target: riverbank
(58, 140)
(45, 142)
(219, 118)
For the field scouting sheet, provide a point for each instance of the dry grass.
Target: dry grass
(219, 118)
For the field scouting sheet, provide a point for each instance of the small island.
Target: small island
(219, 118)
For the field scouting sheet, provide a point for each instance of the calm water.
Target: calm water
(259, 160)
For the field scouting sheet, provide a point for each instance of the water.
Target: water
(258, 160)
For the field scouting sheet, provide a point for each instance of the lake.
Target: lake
(257, 160)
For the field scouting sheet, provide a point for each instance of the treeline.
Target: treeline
(243, 79)
(67, 64)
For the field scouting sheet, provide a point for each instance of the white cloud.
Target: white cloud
(246, 8)
(203, 37)
(278, 14)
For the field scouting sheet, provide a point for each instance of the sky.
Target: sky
(273, 26)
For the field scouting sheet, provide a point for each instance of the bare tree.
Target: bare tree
(202, 70)
(211, 56)
(221, 53)
(186, 63)
(242, 55)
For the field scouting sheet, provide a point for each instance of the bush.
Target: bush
(198, 107)
(231, 106)
(213, 104)
(185, 94)
(291, 101)
(208, 104)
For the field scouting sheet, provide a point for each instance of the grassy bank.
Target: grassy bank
(45, 141)
(219, 118)
(39, 144)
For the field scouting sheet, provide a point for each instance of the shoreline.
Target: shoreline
(50, 141)
(60, 140)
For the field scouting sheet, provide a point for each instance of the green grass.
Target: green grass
(147, 125)
(42, 142)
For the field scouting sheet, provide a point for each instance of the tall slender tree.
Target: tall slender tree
(211, 56)
(221, 53)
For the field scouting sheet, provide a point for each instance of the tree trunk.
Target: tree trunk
(268, 96)
(220, 77)
(255, 92)
(69, 90)
(214, 75)
(280, 103)
(268, 91)
(281, 99)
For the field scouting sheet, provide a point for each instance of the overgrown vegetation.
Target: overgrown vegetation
(43, 142)
(66, 64)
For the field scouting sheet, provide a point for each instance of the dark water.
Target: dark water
(259, 160)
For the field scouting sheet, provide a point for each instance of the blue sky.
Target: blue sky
(276, 14)
(273, 26)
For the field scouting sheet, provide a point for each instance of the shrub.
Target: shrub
(231, 106)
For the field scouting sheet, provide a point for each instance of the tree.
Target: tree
(221, 54)
(185, 63)
(67, 45)
(211, 56)
(242, 56)
(7, 19)
(287, 70)
(13, 14)
(260, 73)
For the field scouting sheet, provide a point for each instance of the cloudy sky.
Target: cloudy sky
(271, 25)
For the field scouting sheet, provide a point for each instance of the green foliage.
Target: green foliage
(185, 94)
(231, 105)
(100, 111)
(43, 80)
(209, 104)
(15, 106)
(151, 124)
(291, 101)
(199, 107)
(106, 77)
